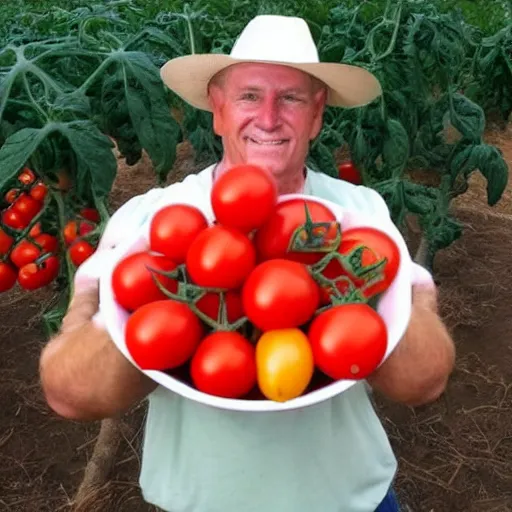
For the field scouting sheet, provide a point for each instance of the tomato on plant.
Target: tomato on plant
(224, 365)
(284, 362)
(209, 304)
(14, 219)
(280, 294)
(39, 191)
(74, 229)
(36, 275)
(35, 230)
(6, 242)
(27, 176)
(11, 196)
(24, 252)
(349, 341)
(132, 281)
(244, 197)
(273, 238)
(27, 206)
(48, 243)
(220, 257)
(80, 251)
(90, 214)
(8, 276)
(163, 335)
(174, 228)
(347, 171)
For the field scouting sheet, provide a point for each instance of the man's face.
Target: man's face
(266, 115)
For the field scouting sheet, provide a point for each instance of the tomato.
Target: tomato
(280, 294)
(284, 362)
(27, 177)
(132, 281)
(6, 242)
(380, 245)
(273, 238)
(244, 197)
(8, 277)
(90, 214)
(174, 228)
(347, 171)
(11, 196)
(80, 251)
(209, 304)
(39, 191)
(49, 243)
(33, 276)
(162, 335)
(224, 365)
(348, 341)
(14, 219)
(35, 230)
(24, 252)
(27, 206)
(74, 229)
(220, 257)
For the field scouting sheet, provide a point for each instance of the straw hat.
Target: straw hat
(272, 39)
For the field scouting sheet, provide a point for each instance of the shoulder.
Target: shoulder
(346, 194)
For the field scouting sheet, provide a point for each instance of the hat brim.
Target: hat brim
(348, 86)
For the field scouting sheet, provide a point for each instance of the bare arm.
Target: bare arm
(417, 371)
(83, 374)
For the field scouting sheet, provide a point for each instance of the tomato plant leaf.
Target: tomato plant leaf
(467, 117)
(395, 151)
(321, 159)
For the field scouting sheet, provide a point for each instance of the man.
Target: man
(267, 100)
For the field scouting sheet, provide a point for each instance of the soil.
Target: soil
(454, 455)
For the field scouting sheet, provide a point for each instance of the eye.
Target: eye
(291, 98)
(249, 96)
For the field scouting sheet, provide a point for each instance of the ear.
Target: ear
(319, 101)
(216, 101)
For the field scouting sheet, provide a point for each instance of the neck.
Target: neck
(290, 183)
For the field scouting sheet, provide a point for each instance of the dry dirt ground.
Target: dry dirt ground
(454, 455)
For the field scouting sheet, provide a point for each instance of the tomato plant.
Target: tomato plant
(80, 251)
(284, 361)
(132, 279)
(273, 239)
(244, 197)
(348, 171)
(280, 294)
(8, 276)
(348, 341)
(162, 335)
(173, 229)
(220, 257)
(36, 275)
(224, 364)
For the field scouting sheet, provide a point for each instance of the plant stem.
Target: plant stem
(99, 71)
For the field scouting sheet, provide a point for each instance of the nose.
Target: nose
(268, 115)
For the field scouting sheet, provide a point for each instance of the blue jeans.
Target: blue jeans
(389, 504)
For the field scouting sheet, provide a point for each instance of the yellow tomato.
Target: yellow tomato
(284, 362)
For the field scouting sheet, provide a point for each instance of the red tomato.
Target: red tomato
(74, 229)
(132, 281)
(90, 214)
(220, 257)
(80, 251)
(174, 228)
(49, 243)
(14, 219)
(27, 177)
(244, 197)
(8, 277)
(33, 276)
(27, 206)
(347, 171)
(348, 341)
(209, 304)
(35, 230)
(39, 191)
(380, 245)
(6, 242)
(11, 196)
(280, 294)
(163, 335)
(224, 365)
(273, 238)
(24, 252)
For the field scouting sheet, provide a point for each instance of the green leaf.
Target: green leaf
(395, 151)
(467, 117)
(322, 158)
(495, 170)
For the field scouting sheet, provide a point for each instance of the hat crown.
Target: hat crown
(276, 38)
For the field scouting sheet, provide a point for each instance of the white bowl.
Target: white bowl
(394, 306)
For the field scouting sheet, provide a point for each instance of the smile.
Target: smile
(274, 142)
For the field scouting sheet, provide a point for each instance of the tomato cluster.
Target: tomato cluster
(270, 294)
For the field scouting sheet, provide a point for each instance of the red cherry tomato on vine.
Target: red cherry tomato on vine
(132, 281)
(8, 277)
(74, 229)
(39, 191)
(36, 275)
(224, 365)
(24, 252)
(6, 242)
(27, 177)
(27, 206)
(348, 341)
(11, 196)
(14, 219)
(244, 197)
(90, 214)
(220, 257)
(280, 294)
(209, 304)
(36, 230)
(49, 243)
(174, 228)
(347, 171)
(273, 238)
(163, 335)
(80, 251)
